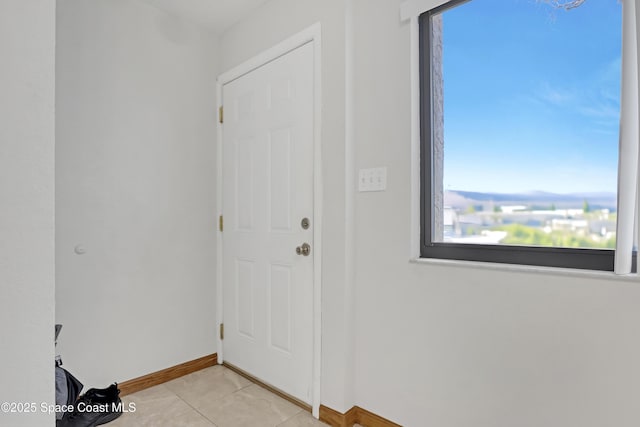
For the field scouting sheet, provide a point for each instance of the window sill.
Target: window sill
(516, 268)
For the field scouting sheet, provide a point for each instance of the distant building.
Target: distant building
(512, 209)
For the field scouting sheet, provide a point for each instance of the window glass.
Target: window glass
(525, 110)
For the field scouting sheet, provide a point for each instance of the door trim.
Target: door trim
(309, 35)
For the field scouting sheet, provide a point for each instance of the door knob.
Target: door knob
(304, 250)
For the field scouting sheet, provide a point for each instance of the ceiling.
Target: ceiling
(217, 15)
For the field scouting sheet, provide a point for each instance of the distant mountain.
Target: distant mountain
(533, 199)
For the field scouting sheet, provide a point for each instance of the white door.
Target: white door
(267, 192)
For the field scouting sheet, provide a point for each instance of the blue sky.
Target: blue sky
(531, 96)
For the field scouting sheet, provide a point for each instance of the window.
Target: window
(520, 113)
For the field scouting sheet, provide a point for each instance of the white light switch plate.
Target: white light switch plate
(374, 179)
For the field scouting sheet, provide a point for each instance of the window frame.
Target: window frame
(576, 258)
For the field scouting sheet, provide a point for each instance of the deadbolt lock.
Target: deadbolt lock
(305, 223)
(304, 250)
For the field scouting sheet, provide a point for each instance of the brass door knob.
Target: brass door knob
(304, 249)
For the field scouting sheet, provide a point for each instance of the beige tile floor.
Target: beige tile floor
(212, 397)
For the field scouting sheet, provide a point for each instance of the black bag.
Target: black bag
(68, 389)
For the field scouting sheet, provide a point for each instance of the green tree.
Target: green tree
(519, 234)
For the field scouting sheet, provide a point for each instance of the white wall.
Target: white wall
(27, 37)
(275, 21)
(456, 346)
(135, 188)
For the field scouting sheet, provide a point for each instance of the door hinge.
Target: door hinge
(221, 114)
(221, 223)
(221, 331)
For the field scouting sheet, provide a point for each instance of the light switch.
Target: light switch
(374, 179)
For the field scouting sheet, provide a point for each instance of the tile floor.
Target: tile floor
(212, 397)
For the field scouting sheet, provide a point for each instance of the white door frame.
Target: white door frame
(309, 35)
